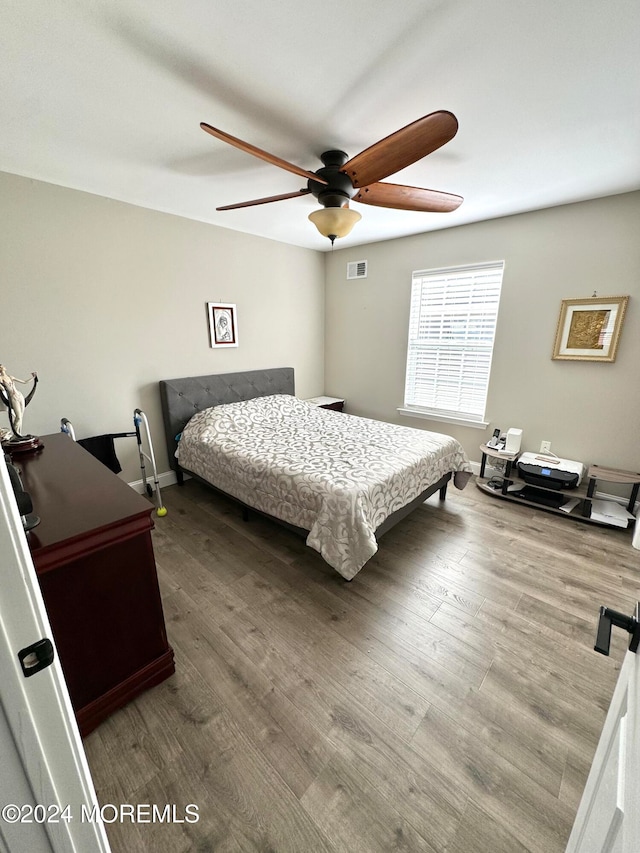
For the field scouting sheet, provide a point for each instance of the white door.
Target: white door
(608, 818)
(43, 769)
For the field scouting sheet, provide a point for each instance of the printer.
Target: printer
(552, 472)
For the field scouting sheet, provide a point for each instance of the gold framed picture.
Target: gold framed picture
(589, 329)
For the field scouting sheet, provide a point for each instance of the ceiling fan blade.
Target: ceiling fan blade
(264, 200)
(401, 197)
(258, 152)
(401, 148)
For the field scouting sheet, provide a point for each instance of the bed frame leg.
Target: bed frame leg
(180, 477)
(245, 513)
(443, 492)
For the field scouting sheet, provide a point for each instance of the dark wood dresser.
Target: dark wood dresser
(94, 559)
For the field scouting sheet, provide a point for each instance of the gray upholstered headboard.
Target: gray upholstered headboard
(182, 398)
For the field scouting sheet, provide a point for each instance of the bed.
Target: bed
(340, 480)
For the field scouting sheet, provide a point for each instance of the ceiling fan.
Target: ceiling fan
(341, 179)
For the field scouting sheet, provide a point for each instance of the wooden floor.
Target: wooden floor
(447, 700)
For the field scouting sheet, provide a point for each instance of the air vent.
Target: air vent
(357, 269)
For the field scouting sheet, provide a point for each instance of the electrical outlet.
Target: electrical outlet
(545, 447)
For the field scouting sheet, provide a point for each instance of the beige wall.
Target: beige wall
(590, 412)
(103, 299)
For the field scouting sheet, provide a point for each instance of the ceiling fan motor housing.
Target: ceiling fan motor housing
(339, 189)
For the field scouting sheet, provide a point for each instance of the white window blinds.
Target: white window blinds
(451, 332)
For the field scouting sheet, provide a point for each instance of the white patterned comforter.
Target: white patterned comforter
(337, 475)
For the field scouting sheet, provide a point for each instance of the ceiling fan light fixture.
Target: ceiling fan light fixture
(334, 222)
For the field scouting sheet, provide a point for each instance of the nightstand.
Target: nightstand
(334, 403)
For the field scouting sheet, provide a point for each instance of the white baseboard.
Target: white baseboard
(168, 478)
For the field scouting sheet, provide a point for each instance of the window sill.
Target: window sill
(429, 416)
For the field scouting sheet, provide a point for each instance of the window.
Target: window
(451, 333)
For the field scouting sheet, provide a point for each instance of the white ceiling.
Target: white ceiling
(107, 96)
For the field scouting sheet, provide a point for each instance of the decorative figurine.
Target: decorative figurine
(16, 403)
